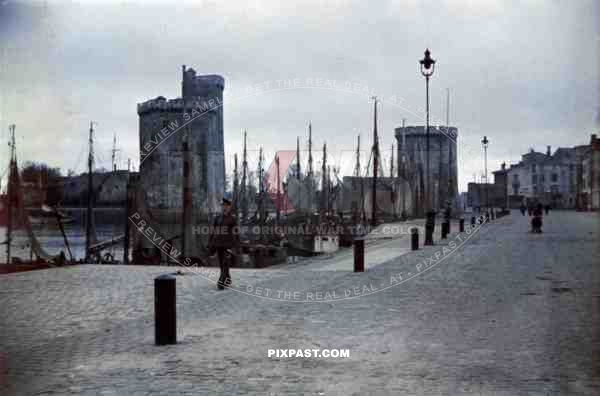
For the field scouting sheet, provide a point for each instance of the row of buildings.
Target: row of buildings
(569, 178)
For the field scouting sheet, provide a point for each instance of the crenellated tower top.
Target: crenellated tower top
(202, 92)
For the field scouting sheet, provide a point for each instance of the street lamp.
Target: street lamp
(427, 68)
(484, 143)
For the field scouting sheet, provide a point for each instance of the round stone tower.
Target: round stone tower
(443, 167)
(180, 133)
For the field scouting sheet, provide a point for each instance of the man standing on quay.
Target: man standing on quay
(224, 239)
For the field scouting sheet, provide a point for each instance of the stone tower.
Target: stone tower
(443, 167)
(173, 132)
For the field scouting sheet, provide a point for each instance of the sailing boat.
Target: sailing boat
(15, 218)
(93, 247)
(316, 231)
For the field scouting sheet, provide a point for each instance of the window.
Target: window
(534, 179)
(165, 123)
(533, 168)
(554, 177)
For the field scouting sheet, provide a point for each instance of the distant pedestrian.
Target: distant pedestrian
(224, 239)
(547, 208)
(536, 221)
(523, 208)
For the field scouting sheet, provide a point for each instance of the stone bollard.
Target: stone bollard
(414, 238)
(165, 312)
(461, 225)
(359, 254)
(472, 221)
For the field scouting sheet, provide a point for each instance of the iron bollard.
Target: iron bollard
(165, 312)
(487, 217)
(429, 228)
(472, 221)
(359, 255)
(493, 215)
(461, 225)
(445, 230)
(414, 238)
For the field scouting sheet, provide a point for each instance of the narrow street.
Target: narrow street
(505, 313)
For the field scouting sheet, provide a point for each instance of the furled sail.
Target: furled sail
(18, 213)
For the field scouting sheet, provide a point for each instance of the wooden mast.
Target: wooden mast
(10, 191)
(298, 157)
(244, 197)
(310, 170)
(356, 215)
(402, 170)
(393, 189)
(278, 191)
(324, 187)
(375, 164)
(88, 226)
(451, 193)
(236, 185)
(128, 204)
(328, 207)
(261, 211)
(298, 173)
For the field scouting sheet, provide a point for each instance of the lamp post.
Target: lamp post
(484, 143)
(427, 68)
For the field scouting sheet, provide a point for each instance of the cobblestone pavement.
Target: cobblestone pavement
(506, 313)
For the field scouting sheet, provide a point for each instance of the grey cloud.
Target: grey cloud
(515, 74)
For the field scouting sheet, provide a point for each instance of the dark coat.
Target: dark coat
(225, 232)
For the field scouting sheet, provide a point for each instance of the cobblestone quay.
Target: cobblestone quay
(506, 313)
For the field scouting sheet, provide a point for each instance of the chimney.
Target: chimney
(503, 166)
(548, 151)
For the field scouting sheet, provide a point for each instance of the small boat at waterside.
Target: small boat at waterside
(15, 218)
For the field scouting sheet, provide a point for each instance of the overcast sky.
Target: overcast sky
(524, 73)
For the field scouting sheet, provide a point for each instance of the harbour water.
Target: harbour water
(109, 223)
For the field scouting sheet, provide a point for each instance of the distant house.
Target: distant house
(110, 188)
(547, 178)
(589, 186)
(565, 179)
